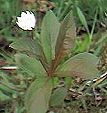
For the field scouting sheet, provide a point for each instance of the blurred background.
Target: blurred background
(91, 22)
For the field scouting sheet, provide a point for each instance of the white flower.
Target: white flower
(27, 20)
(9, 67)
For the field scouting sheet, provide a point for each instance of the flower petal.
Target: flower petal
(27, 20)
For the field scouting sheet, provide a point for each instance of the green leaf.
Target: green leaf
(82, 19)
(5, 84)
(66, 38)
(49, 33)
(30, 46)
(81, 65)
(58, 96)
(38, 96)
(29, 64)
(7, 90)
(82, 45)
(4, 97)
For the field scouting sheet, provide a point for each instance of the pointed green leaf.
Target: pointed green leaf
(38, 96)
(28, 45)
(29, 64)
(82, 18)
(81, 65)
(49, 33)
(66, 37)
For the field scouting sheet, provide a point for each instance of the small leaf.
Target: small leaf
(82, 19)
(38, 96)
(29, 64)
(30, 46)
(81, 65)
(82, 45)
(49, 33)
(66, 38)
(58, 96)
